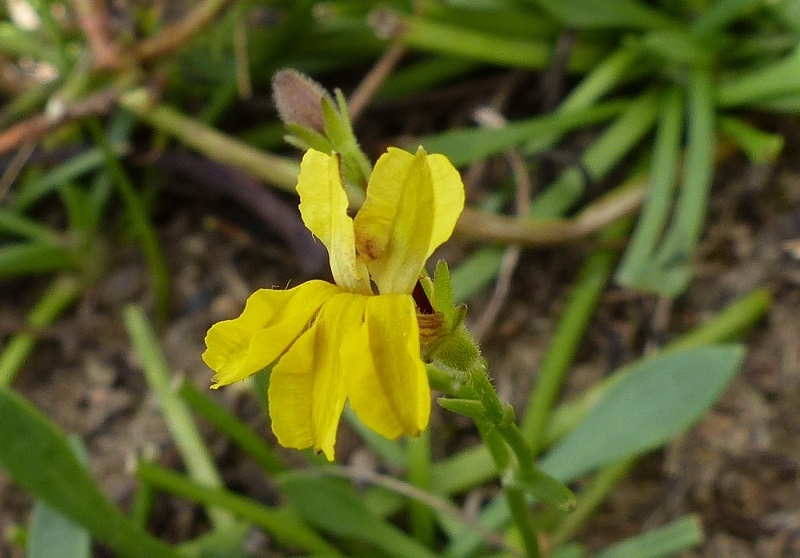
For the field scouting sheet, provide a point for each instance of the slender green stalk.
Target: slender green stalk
(231, 426)
(418, 460)
(592, 280)
(136, 213)
(57, 298)
(283, 522)
(176, 413)
(280, 172)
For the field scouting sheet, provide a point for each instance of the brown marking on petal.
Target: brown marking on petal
(367, 248)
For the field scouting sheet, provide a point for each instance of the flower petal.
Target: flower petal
(448, 199)
(394, 226)
(270, 322)
(323, 206)
(387, 383)
(307, 390)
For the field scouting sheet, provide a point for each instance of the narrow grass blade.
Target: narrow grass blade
(35, 189)
(682, 534)
(31, 258)
(202, 404)
(672, 263)
(464, 146)
(52, 534)
(176, 413)
(58, 297)
(282, 522)
(603, 14)
(331, 505)
(660, 190)
(39, 458)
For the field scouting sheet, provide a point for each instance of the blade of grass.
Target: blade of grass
(467, 145)
(12, 222)
(776, 80)
(137, 215)
(760, 147)
(176, 413)
(34, 190)
(674, 257)
(38, 457)
(661, 186)
(242, 435)
(281, 522)
(429, 35)
(418, 454)
(62, 292)
(34, 258)
(681, 534)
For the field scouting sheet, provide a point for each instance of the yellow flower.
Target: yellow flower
(346, 341)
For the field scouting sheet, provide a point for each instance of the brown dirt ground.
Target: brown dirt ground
(737, 469)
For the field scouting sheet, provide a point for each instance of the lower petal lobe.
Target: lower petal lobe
(271, 321)
(387, 383)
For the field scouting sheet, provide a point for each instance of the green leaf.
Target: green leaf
(34, 258)
(467, 145)
(681, 534)
(52, 534)
(660, 398)
(332, 505)
(593, 14)
(544, 487)
(39, 459)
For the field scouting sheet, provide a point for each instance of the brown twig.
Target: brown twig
(487, 227)
(21, 157)
(365, 90)
(41, 124)
(513, 253)
(178, 34)
(93, 19)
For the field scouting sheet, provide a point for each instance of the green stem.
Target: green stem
(57, 298)
(283, 523)
(176, 413)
